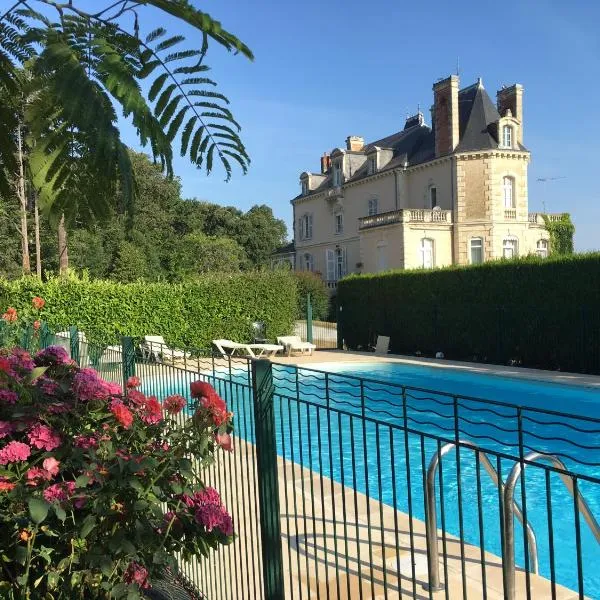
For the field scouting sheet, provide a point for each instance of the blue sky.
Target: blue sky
(332, 68)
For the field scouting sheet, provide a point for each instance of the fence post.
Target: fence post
(128, 358)
(74, 343)
(44, 335)
(309, 322)
(268, 489)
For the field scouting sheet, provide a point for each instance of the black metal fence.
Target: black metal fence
(321, 333)
(346, 487)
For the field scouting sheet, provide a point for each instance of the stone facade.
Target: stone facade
(425, 197)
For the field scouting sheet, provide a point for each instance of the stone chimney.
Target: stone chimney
(355, 143)
(445, 115)
(325, 163)
(511, 98)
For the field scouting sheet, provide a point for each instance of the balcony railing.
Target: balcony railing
(406, 215)
(510, 213)
(538, 218)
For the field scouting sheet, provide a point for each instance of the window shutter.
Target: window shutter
(310, 224)
(330, 261)
(344, 264)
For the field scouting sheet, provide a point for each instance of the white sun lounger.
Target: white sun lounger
(155, 346)
(293, 343)
(231, 348)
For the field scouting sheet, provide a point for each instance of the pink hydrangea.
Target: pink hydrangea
(207, 496)
(8, 397)
(59, 492)
(51, 465)
(6, 428)
(151, 411)
(21, 360)
(35, 475)
(87, 386)
(209, 515)
(14, 452)
(48, 386)
(52, 355)
(136, 573)
(85, 441)
(43, 437)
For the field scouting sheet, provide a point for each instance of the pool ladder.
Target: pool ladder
(510, 509)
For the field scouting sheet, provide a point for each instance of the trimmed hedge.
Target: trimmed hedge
(542, 313)
(187, 315)
(310, 283)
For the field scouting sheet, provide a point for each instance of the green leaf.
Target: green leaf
(88, 524)
(60, 513)
(38, 509)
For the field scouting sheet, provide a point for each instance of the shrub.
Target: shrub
(536, 312)
(310, 283)
(97, 489)
(187, 315)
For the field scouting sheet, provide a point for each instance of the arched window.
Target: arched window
(507, 136)
(426, 251)
(508, 187)
(476, 250)
(307, 262)
(510, 247)
(542, 248)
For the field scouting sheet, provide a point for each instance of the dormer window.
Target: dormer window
(507, 135)
(304, 187)
(337, 174)
(372, 166)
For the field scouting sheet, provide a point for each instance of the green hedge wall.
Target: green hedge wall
(186, 315)
(535, 312)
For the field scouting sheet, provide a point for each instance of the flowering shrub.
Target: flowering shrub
(97, 486)
(22, 327)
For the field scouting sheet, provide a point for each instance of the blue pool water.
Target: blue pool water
(336, 442)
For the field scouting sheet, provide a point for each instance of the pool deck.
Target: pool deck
(343, 545)
(345, 356)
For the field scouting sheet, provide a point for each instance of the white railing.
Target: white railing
(510, 213)
(332, 285)
(406, 215)
(538, 218)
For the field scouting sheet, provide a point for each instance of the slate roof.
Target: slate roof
(415, 144)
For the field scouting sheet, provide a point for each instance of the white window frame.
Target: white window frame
(542, 247)
(337, 174)
(425, 241)
(308, 263)
(338, 223)
(432, 192)
(306, 226)
(508, 192)
(372, 166)
(472, 247)
(507, 136)
(510, 243)
(340, 263)
(372, 207)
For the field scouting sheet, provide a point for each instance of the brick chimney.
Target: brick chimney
(445, 115)
(511, 98)
(355, 143)
(325, 163)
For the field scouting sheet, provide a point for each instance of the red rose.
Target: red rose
(202, 389)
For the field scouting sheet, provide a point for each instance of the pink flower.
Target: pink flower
(85, 442)
(121, 413)
(38, 302)
(151, 411)
(133, 382)
(87, 385)
(14, 452)
(200, 389)
(8, 397)
(47, 385)
(44, 437)
(35, 475)
(209, 515)
(52, 355)
(226, 524)
(6, 485)
(136, 573)
(225, 441)
(59, 492)
(51, 465)
(136, 397)
(6, 428)
(174, 404)
(207, 496)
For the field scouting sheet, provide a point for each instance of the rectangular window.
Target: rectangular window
(432, 197)
(306, 227)
(507, 136)
(542, 248)
(372, 165)
(372, 207)
(476, 251)
(509, 196)
(509, 248)
(339, 223)
(427, 253)
(304, 188)
(337, 175)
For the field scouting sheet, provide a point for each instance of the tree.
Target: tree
(199, 253)
(261, 234)
(85, 64)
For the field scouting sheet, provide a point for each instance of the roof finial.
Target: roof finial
(479, 82)
(458, 66)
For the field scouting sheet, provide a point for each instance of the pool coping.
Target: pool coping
(320, 357)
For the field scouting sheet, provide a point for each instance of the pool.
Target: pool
(351, 411)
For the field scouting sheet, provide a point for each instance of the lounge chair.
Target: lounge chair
(293, 343)
(231, 348)
(382, 345)
(154, 346)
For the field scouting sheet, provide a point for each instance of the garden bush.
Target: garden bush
(536, 312)
(187, 314)
(310, 283)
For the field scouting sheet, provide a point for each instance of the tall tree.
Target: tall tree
(87, 63)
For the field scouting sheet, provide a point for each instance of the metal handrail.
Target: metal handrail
(509, 525)
(431, 516)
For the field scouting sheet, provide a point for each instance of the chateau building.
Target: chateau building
(452, 193)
